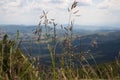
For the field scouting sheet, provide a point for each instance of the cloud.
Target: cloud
(85, 2)
(28, 11)
(11, 6)
(109, 4)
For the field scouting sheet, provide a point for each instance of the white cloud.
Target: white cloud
(9, 5)
(28, 11)
(111, 4)
(85, 2)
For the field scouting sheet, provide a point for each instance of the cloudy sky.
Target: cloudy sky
(93, 12)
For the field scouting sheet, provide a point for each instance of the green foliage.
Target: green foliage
(13, 63)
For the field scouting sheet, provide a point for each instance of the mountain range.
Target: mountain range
(107, 42)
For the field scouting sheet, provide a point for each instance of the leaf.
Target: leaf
(54, 24)
(71, 28)
(77, 15)
(66, 33)
(41, 16)
(44, 12)
(61, 26)
(76, 12)
(68, 10)
(52, 19)
(65, 28)
(74, 5)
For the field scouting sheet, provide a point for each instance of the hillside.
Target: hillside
(105, 38)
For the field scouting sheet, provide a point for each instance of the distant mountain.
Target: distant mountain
(107, 48)
(108, 45)
(11, 30)
(107, 39)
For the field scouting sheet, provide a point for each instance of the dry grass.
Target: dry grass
(14, 65)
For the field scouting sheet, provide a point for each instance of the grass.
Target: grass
(14, 65)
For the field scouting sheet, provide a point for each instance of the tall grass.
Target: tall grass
(14, 65)
(71, 66)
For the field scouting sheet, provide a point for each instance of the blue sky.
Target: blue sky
(93, 12)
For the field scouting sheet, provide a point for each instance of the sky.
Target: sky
(92, 12)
